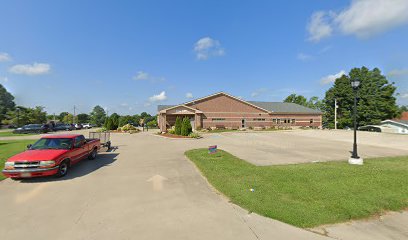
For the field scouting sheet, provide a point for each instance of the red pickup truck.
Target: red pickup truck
(51, 155)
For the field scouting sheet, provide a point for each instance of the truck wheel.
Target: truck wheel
(93, 154)
(63, 169)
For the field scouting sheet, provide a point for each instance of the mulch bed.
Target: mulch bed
(173, 135)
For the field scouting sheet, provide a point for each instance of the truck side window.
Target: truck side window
(79, 141)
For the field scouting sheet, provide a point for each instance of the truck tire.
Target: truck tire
(63, 169)
(93, 154)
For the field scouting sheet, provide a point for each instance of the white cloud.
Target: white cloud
(404, 95)
(143, 76)
(189, 95)
(304, 57)
(397, 72)
(207, 47)
(363, 18)
(4, 57)
(124, 104)
(319, 26)
(258, 92)
(3, 79)
(367, 17)
(31, 69)
(159, 97)
(332, 78)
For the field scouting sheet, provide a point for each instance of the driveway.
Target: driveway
(147, 189)
(302, 146)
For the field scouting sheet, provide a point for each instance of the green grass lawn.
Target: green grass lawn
(308, 195)
(11, 134)
(9, 148)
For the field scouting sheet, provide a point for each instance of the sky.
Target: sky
(130, 56)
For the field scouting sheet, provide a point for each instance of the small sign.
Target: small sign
(212, 149)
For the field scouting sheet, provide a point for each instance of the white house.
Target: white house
(396, 126)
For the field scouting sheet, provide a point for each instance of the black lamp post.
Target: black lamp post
(355, 159)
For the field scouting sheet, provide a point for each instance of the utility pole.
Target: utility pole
(73, 119)
(335, 113)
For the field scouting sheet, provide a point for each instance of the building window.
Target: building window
(311, 120)
(259, 119)
(278, 121)
(293, 121)
(274, 120)
(218, 119)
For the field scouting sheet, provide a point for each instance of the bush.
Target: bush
(119, 129)
(109, 124)
(177, 126)
(186, 128)
(171, 131)
(128, 127)
(194, 135)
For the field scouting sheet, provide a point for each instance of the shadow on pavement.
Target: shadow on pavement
(80, 169)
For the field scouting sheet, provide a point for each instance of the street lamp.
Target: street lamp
(355, 159)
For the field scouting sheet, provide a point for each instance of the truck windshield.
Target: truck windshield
(52, 143)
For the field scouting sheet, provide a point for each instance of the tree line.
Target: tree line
(376, 99)
(10, 114)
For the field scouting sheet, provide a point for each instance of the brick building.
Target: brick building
(222, 110)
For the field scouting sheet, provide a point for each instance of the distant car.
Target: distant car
(33, 128)
(78, 126)
(87, 125)
(63, 127)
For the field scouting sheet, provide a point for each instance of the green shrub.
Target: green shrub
(128, 127)
(119, 129)
(177, 126)
(171, 131)
(109, 124)
(186, 128)
(194, 135)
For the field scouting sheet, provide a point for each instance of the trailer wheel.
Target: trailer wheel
(93, 154)
(63, 169)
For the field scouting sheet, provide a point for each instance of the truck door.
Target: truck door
(79, 151)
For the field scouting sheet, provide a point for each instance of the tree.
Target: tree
(22, 116)
(98, 116)
(83, 118)
(136, 118)
(177, 126)
(298, 99)
(376, 101)
(152, 123)
(69, 118)
(109, 124)
(123, 120)
(313, 102)
(62, 115)
(115, 120)
(186, 127)
(6, 103)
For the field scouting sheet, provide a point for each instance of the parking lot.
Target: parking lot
(147, 189)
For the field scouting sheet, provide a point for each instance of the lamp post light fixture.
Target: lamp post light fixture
(355, 159)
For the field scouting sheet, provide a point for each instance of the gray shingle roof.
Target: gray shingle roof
(283, 107)
(276, 107)
(161, 107)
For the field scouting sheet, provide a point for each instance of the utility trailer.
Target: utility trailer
(104, 138)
